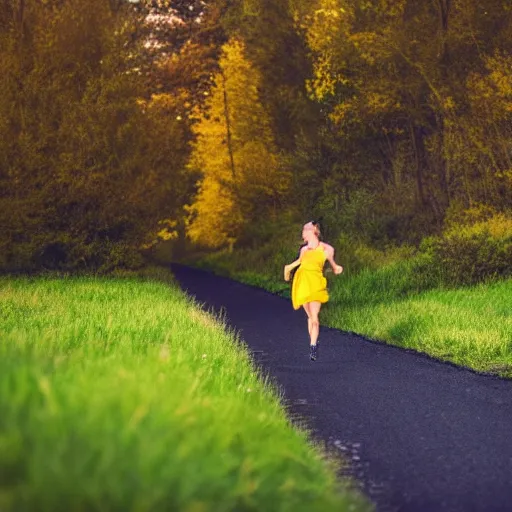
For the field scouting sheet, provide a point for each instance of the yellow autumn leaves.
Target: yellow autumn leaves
(242, 175)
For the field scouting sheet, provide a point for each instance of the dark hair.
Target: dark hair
(318, 231)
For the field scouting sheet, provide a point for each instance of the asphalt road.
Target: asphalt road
(421, 435)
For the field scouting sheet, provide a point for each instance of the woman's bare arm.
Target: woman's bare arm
(288, 269)
(329, 254)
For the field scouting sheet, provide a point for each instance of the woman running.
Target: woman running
(309, 287)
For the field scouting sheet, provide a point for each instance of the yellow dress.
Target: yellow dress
(309, 283)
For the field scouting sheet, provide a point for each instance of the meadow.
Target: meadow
(122, 394)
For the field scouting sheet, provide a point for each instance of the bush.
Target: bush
(472, 253)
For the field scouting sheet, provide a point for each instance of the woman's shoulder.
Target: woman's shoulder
(327, 248)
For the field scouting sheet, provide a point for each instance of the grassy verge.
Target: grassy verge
(402, 304)
(121, 394)
(471, 326)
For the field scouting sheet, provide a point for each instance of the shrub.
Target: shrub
(472, 253)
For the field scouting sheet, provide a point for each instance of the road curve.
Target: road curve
(422, 435)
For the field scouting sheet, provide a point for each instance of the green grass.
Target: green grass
(471, 326)
(404, 304)
(122, 394)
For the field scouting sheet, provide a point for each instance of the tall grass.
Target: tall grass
(123, 395)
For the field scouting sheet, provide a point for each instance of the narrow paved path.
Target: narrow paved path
(421, 435)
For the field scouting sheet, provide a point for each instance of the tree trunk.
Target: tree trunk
(444, 7)
(418, 143)
(20, 15)
(228, 126)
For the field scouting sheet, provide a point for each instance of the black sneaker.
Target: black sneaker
(313, 352)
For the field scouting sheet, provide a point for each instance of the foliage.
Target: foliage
(87, 167)
(411, 93)
(356, 255)
(178, 47)
(278, 52)
(473, 253)
(244, 178)
(386, 119)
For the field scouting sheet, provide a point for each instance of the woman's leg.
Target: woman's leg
(306, 309)
(314, 311)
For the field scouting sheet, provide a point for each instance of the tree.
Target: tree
(176, 47)
(243, 177)
(277, 50)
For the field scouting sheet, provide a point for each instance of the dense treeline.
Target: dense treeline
(390, 120)
(393, 117)
(420, 94)
(92, 158)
